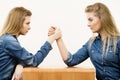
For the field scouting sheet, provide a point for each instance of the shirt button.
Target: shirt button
(92, 51)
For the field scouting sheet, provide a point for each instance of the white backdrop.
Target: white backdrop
(67, 14)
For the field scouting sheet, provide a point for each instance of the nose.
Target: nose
(88, 24)
(29, 28)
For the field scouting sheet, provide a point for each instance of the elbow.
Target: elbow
(70, 65)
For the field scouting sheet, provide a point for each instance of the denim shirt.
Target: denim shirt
(107, 67)
(11, 54)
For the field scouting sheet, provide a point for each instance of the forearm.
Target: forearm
(41, 54)
(19, 68)
(18, 72)
(62, 48)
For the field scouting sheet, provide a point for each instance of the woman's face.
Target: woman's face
(26, 26)
(94, 22)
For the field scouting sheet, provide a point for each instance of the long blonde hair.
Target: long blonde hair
(15, 20)
(107, 23)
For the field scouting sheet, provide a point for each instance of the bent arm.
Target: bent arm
(72, 59)
(13, 48)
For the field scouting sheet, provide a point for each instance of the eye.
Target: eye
(90, 19)
(28, 23)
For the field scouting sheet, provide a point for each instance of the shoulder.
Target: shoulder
(8, 38)
(10, 41)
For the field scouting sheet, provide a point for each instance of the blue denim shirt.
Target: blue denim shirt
(11, 53)
(107, 67)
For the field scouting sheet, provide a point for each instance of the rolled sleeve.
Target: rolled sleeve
(69, 58)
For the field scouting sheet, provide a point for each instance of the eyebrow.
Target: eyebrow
(28, 22)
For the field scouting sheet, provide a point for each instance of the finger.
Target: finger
(50, 33)
(53, 27)
(16, 77)
(58, 30)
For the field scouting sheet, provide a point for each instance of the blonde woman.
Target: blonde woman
(12, 53)
(103, 49)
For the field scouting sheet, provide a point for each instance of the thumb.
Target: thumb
(53, 27)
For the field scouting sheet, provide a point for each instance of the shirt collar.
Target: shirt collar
(98, 37)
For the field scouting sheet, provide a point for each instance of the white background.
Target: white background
(67, 14)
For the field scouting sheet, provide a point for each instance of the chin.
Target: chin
(94, 31)
(23, 34)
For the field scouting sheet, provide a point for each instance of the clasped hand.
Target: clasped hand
(54, 31)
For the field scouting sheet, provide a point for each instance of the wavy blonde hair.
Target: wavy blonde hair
(15, 20)
(107, 24)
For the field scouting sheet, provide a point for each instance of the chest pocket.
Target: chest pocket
(95, 54)
(111, 57)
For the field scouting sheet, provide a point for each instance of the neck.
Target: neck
(102, 34)
(17, 35)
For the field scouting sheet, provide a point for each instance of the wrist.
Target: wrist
(51, 39)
